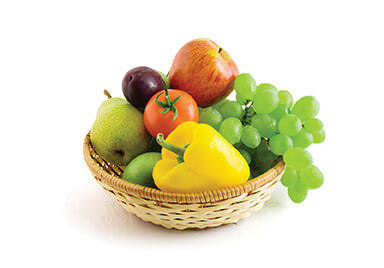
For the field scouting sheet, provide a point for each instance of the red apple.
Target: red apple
(204, 70)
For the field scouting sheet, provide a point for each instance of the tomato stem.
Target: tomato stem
(167, 97)
(168, 105)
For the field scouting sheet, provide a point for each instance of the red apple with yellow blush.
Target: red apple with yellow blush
(205, 70)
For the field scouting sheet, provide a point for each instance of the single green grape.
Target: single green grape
(211, 117)
(313, 125)
(266, 99)
(231, 129)
(231, 109)
(312, 177)
(306, 108)
(266, 86)
(290, 125)
(281, 110)
(250, 137)
(289, 177)
(319, 137)
(247, 156)
(220, 103)
(303, 139)
(245, 86)
(280, 143)
(297, 158)
(265, 124)
(297, 192)
(286, 98)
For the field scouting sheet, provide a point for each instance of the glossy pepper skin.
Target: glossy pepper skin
(209, 162)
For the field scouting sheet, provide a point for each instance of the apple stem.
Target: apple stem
(106, 93)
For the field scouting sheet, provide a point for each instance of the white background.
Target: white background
(56, 57)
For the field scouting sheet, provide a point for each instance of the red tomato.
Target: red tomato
(156, 122)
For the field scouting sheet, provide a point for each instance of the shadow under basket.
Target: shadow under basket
(183, 211)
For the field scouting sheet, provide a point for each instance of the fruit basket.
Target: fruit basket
(183, 211)
(176, 152)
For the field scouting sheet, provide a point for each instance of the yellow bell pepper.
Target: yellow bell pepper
(195, 158)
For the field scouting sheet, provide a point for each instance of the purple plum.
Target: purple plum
(140, 84)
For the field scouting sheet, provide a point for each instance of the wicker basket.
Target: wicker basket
(183, 211)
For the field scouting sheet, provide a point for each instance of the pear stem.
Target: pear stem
(173, 148)
(106, 93)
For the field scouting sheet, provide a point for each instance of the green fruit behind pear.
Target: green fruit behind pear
(118, 134)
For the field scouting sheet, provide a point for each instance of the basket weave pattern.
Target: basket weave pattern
(183, 211)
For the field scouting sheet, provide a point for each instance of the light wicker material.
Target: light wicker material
(183, 211)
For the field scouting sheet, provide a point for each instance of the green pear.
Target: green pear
(118, 135)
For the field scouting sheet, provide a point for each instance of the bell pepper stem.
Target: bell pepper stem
(173, 148)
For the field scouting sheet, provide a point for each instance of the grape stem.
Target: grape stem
(249, 112)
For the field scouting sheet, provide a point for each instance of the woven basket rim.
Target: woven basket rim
(205, 197)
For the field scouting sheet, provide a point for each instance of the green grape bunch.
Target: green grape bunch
(266, 125)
